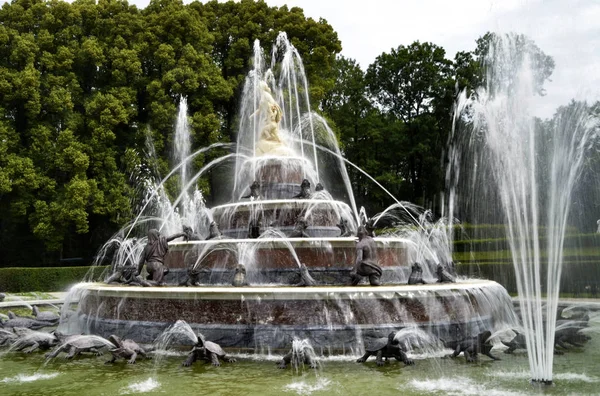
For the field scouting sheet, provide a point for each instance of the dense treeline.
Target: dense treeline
(83, 84)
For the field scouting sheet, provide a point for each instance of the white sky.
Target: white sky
(567, 30)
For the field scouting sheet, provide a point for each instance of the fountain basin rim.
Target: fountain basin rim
(278, 202)
(294, 241)
(278, 292)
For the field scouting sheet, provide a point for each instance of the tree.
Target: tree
(514, 49)
(236, 25)
(413, 88)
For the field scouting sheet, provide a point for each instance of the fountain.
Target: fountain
(290, 221)
(534, 172)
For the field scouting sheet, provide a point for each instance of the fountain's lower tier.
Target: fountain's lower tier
(334, 319)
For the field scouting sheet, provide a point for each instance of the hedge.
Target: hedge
(576, 279)
(571, 240)
(16, 280)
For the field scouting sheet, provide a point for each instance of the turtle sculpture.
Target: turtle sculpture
(568, 333)
(471, 347)
(301, 353)
(76, 344)
(7, 337)
(207, 350)
(21, 321)
(385, 347)
(47, 316)
(33, 340)
(126, 349)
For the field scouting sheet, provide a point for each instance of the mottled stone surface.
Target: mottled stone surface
(332, 317)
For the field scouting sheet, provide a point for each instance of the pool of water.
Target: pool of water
(575, 373)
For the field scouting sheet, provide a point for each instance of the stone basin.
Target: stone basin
(334, 318)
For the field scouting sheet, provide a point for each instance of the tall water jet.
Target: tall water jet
(182, 145)
(533, 168)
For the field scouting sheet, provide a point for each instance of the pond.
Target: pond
(577, 372)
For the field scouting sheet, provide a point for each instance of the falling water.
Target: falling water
(533, 171)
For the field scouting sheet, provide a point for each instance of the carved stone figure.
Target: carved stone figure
(7, 337)
(305, 192)
(254, 191)
(416, 274)
(305, 278)
(154, 255)
(518, 342)
(254, 229)
(32, 340)
(303, 355)
(190, 235)
(370, 227)
(209, 351)
(345, 231)
(47, 316)
(77, 344)
(319, 187)
(214, 232)
(473, 346)
(366, 259)
(125, 349)
(126, 274)
(444, 276)
(385, 347)
(299, 230)
(239, 278)
(20, 321)
(569, 334)
(192, 278)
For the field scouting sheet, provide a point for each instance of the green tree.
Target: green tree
(413, 87)
(515, 49)
(236, 25)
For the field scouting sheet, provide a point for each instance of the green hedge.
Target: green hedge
(576, 279)
(492, 231)
(571, 241)
(17, 280)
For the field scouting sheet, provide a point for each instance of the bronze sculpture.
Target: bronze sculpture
(366, 259)
(154, 255)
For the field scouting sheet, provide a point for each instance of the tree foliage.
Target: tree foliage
(81, 83)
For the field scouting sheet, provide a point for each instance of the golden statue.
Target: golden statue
(270, 142)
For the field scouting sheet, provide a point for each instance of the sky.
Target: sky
(567, 30)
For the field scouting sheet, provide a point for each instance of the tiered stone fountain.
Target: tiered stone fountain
(277, 147)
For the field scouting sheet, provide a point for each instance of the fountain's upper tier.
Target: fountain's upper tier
(279, 177)
(321, 216)
(278, 204)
